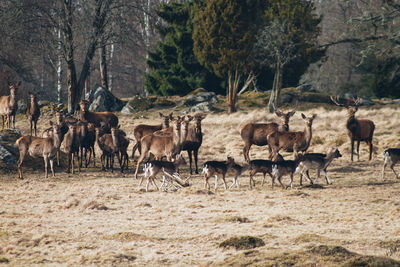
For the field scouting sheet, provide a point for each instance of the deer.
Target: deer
(213, 167)
(39, 147)
(194, 140)
(8, 106)
(33, 112)
(159, 146)
(285, 167)
(292, 141)
(169, 169)
(237, 170)
(143, 129)
(72, 147)
(108, 118)
(256, 133)
(318, 161)
(357, 129)
(87, 139)
(109, 146)
(392, 156)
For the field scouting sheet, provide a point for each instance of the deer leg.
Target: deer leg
(45, 159)
(280, 181)
(251, 179)
(216, 182)
(3, 120)
(206, 184)
(263, 180)
(134, 149)
(246, 151)
(189, 152)
(34, 125)
(392, 167)
(94, 156)
(358, 150)
(328, 181)
(223, 179)
(20, 161)
(196, 154)
(72, 162)
(69, 163)
(58, 157)
(233, 182)
(291, 181)
(307, 175)
(79, 166)
(52, 167)
(383, 169)
(370, 149)
(138, 164)
(317, 176)
(352, 149)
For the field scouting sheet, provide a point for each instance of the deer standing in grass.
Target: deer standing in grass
(194, 140)
(72, 147)
(357, 129)
(392, 156)
(256, 133)
(142, 130)
(169, 169)
(317, 161)
(285, 167)
(168, 145)
(39, 147)
(109, 146)
(8, 106)
(33, 112)
(213, 167)
(108, 118)
(292, 141)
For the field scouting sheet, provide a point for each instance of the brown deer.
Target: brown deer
(194, 140)
(260, 165)
(357, 129)
(392, 156)
(292, 141)
(72, 147)
(33, 112)
(159, 146)
(39, 147)
(8, 106)
(213, 167)
(237, 170)
(169, 169)
(109, 146)
(256, 133)
(285, 167)
(87, 139)
(317, 161)
(143, 129)
(108, 118)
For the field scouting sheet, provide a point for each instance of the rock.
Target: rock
(203, 107)
(305, 87)
(103, 100)
(201, 97)
(6, 156)
(366, 102)
(136, 104)
(22, 106)
(8, 150)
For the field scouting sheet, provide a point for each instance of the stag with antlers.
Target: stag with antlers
(357, 129)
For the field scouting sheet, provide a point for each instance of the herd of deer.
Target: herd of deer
(79, 136)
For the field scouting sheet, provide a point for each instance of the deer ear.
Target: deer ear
(291, 113)
(18, 83)
(314, 116)
(303, 116)
(278, 113)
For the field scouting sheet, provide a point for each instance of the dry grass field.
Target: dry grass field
(103, 218)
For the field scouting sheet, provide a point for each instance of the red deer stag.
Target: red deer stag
(33, 112)
(8, 106)
(39, 147)
(194, 140)
(256, 133)
(143, 129)
(108, 118)
(292, 141)
(357, 129)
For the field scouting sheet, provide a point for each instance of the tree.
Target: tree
(288, 44)
(224, 32)
(173, 68)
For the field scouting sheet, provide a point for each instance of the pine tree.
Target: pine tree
(174, 70)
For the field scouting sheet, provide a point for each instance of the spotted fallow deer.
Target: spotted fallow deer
(213, 167)
(357, 129)
(392, 156)
(256, 133)
(8, 106)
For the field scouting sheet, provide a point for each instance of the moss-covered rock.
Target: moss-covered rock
(137, 104)
(242, 242)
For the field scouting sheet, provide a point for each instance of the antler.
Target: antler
(336, 101)
(357, 101)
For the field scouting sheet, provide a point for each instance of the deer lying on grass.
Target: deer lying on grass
(168, 145)
(8, 106)
(194, 140)
(292, 141)
(142, 130)
(72, 147)
(108, 118)
(392, 156)
(214, 168)
(33, 112)
(39, 147)
(357, 129)
(317, 161)
(109, 146)
(285, 167)
(256, 133)
(169, 170)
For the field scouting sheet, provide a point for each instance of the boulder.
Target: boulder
(305, 87)
(209, 97)
(22, 106)
(103, 100)
(136, 104)
(8, 150)
(202, 107)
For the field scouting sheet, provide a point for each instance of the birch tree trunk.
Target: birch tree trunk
(103, 67)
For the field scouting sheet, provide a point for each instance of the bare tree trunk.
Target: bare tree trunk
(103, 67)
(59, 67)
(233, 85)
(272, 98)
(110, 76)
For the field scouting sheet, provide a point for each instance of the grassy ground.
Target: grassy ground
(103, 218)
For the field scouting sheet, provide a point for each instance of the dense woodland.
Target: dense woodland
(63, 48)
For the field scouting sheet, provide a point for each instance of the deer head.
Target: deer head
(351, 106)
